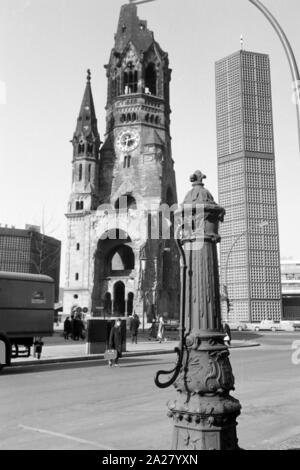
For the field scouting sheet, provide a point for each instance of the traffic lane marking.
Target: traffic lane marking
(66, 436)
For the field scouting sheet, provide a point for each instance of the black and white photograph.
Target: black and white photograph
(149, 216)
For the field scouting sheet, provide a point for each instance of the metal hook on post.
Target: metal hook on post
(179, 351)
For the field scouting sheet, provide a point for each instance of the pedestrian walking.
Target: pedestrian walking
(38, 346)
(134, 326)
(67, 328)
(152, 329)
(115, 341)
(227, 331)
(161, 329)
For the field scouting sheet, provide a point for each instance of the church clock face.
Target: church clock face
(128, 140)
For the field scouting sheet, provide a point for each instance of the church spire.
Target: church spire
(86, 139)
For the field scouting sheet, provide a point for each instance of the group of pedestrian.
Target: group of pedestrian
(154, 332)
(115, 336)
(74, 328)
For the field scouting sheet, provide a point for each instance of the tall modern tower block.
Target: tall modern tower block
(249, 253)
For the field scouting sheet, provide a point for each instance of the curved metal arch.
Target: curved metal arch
(289, 53)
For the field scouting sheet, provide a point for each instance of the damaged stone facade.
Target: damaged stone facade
(114, 266)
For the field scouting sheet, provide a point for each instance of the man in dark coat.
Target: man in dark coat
(67, 328)
(78, 328)
(152, 329)
(115, 340)
(134, 326)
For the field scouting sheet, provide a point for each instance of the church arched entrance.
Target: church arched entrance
(107, 303)
(113, 272)
(119, 299)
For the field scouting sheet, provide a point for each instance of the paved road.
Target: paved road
(89, 406)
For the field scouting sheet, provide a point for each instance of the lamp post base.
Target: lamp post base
(205, 413)
(211, 427)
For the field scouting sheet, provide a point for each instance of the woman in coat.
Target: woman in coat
(161, 329)
(115, 341)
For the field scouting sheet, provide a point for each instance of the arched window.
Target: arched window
(77, 246)
(150, 79)
(80, 148)
(147, 118)
(90, 148)
(130, 299)
(124, 203)
(134, 117)
(122, 259)
(130, 82)
(80, 172)
(127, 161)
(123, 118)
(128, 117)
(89, 172)
(107, 303)
(151, 118)
(119, 298)
(157, 120)
(79, 205)
(169, 197)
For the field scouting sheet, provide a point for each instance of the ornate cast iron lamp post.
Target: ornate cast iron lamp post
(204, 413)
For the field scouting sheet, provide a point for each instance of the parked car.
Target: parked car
(265, 325)
(287, 325)
(296, 325)
(172, 325)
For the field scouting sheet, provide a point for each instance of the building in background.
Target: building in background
(249, 252)
(29, 251)
(290, 276)
(290, 281)
(112, 265)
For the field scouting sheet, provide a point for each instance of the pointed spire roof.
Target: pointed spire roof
(131, 28)
(87, 121)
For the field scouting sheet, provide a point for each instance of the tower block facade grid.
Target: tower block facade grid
(249, 252)
(114, 265)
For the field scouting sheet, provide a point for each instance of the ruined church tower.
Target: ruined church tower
(117, 259)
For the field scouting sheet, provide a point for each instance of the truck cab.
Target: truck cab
(26, 312)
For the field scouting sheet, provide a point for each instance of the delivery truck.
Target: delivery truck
(26, 313)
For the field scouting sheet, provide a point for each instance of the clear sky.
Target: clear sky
(46, 47)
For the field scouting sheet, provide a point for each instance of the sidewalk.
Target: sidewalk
(72, 352)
